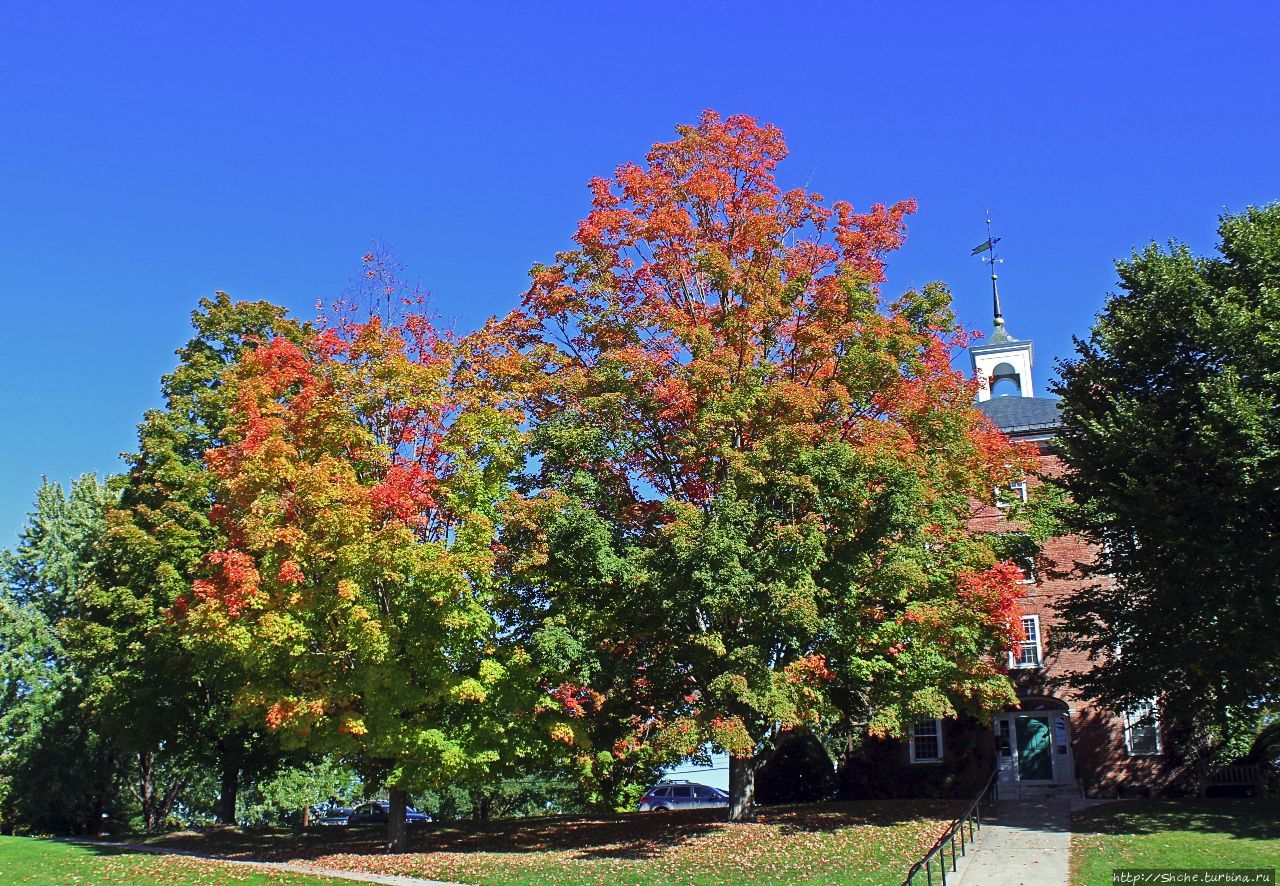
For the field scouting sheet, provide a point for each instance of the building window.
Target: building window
(926, 741)
(1142, 731)
(1015, 494)
(1027, 655)
(1021, 550)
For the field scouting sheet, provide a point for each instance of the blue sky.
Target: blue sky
(151, 154)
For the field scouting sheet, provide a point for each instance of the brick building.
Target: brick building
(1053, 740)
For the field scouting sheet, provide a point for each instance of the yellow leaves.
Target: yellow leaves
(470, 690)
(347, 589)
(730, 733)
(712, 642)
(491, 672)
(353, 726)
(884, 723)
(563, 733)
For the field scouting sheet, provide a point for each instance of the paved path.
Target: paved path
(275, 865)
(1027, 844)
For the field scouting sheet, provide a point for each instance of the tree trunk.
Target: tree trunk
(397, 833)
(230, 787)
(742, 789)
(145, 792)
(155, 807)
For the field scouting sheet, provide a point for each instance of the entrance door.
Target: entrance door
(1035, 748)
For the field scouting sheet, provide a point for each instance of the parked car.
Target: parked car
(377, 813)
(666, 796)
(333, 816)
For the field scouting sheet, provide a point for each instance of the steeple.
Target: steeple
(1001, 358)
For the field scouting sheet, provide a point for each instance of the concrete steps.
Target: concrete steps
(1020, 791)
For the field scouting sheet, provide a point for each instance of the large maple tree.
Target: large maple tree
(751, 472)
(357, 489)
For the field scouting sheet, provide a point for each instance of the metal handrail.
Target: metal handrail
(970, 819)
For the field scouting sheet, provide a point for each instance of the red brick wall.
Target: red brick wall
(1102, 762)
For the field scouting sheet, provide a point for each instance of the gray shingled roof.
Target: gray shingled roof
(1023, 415)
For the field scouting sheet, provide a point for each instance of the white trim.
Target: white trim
(1131, 718)
(1010, 767)
(1015, 494)
(937, 732)
(1033, 636)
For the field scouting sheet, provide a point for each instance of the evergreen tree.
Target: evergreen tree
(58, 771)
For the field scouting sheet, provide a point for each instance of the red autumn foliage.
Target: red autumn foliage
(696, 242)
(996, 591)
(234, 581)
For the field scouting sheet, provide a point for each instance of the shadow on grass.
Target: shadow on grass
(93, 848)
(620, 836)
(1252, 819)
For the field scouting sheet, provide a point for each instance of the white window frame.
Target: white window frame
(1028, 566)
(1019, 490)
(937, 733)
(1131, 717)
(1015, 658)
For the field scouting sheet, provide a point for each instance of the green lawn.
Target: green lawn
(1173, 834)
(31, 861)
(868, 844)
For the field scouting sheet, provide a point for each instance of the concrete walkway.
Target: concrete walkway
(274, 865)
(1027, 843)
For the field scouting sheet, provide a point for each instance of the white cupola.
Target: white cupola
(1002, 363)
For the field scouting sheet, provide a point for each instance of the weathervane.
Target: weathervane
(989, 247)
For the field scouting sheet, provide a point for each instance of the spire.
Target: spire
(995, 286)
(999, 334)
(1002, 362)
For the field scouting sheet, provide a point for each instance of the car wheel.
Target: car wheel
(661, 809)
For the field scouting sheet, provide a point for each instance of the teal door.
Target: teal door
(1035, 749)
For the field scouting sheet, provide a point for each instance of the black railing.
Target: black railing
(964, 829)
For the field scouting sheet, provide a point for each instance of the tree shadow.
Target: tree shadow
(634, 836)
(1240, 818)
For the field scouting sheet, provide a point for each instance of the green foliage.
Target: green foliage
(1172, 440)
(280, 799)
(356, 487)
(58, 771)
(534, 794)
(54, 558)
(752, 471)
(156, 696)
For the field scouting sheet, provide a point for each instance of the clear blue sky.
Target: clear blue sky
(151, 154)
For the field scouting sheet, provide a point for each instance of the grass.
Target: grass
(868, 844)
(36, 862)
(1173, 834)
